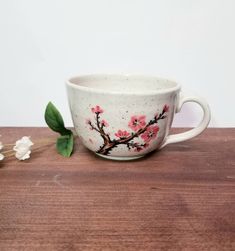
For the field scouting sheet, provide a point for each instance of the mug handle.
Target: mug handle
(179, 137)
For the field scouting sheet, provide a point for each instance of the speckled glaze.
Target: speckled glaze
(124, 117)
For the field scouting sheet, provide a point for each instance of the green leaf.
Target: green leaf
(54, 120)
(64, 145)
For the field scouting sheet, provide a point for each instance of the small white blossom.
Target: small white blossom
(23, 154)
(22, 148)
(1, 145)
(1, 156)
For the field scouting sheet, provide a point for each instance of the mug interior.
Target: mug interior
(133, 84)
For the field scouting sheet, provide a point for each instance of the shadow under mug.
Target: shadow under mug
(124, 117)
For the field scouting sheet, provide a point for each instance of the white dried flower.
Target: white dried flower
(1, 156)
(1, 145)
(22, 148)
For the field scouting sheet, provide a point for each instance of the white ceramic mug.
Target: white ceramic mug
(124, 117)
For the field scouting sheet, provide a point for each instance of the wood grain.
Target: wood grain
(180, 198)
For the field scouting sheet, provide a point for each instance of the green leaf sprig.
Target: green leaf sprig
(54, 120)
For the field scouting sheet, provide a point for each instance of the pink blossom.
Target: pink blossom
(104, 123)
(97, 109)
(166, 108)
(150, 133)
(122, 134)
(137, 122)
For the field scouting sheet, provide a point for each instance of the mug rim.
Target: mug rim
(69, 82)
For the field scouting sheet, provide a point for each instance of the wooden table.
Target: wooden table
(180, 198)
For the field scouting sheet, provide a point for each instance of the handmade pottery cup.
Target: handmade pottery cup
(124, 117)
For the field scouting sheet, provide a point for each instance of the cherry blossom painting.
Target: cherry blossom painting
(141, 132)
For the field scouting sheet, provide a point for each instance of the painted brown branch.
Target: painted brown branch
(99, 128)
(104, 135)
(110, 144)
(135, 145)
(93, 127)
